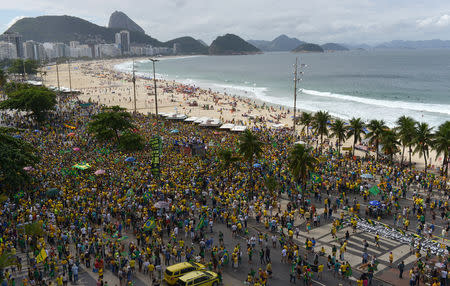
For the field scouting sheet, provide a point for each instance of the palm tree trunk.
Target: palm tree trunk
(425, 158)
(376, 151)
(410, 151)
(403, 153)
(354, 144)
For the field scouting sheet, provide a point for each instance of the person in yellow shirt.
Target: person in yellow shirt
(391, 258)
(319, 271)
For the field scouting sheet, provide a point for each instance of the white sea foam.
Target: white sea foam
(428, 107)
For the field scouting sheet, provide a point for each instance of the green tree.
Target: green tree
(271, 184)
(31, 67)
(441, 144)
(250, 147)
(338, 130)
(37, 100)
(227, 160)
(110, 123)
(355, 129)
(390, 143)
(130, 141)
(301, 162)
(306, 119)
(2, 78)
(15, 154)
(423, 141)
(6, 259)
(406, 130)
(376, 129)
(320, 122)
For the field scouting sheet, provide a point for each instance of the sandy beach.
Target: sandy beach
(98, 81)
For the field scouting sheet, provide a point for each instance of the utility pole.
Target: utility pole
(296, 79)
(70, 77)
(133, 79)
(57, 75)
(154, 83)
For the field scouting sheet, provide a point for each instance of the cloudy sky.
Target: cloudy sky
(345, 21)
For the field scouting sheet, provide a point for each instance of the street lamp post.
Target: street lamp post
(70, 77)
(297, 77)
(154, 83)
(134, 88)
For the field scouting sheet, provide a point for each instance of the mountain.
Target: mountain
(119, 20)
(281, 43)
(333, 47)
(428, 44)
(67, 28)
(308, 48)
(231, 45)
(260, 44)
(202, 42)
(188, 45)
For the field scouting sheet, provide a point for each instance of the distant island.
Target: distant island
(308, 48)
(333, 47)
(281, 43)
(230, 44)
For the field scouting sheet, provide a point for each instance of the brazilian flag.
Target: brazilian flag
(201, 223)
(147, 196)
(401, 231)
(315, 178)
(370, 222)
(149, 225)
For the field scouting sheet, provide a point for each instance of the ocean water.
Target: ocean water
(367, 84)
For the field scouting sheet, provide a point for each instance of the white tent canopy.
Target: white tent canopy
(191, 119)
(227, 126)
(239, 128)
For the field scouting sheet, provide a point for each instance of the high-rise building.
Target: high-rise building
(123, 40)
(7, 50)
(16, 39)
(33, 50)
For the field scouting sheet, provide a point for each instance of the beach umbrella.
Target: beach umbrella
(130, 159)
(174, 131)
(76, 149)
(256, 165)
(70, 134)
(375, 203)
(367, 176)
(99, 172)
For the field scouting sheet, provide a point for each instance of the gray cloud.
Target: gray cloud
(370, 21)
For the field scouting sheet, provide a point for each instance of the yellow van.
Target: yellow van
(199, 278)
(174, 271)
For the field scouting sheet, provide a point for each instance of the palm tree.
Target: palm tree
(390, 143)
(441, 144)
(227, 160)
(355, 129)
(406, 129)
(320, 122)
(338, 130)
(306, 119)
(423, 140)
(301, 162)
(376, 129)
(250, 147)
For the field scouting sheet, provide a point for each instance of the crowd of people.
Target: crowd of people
(126, 221)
